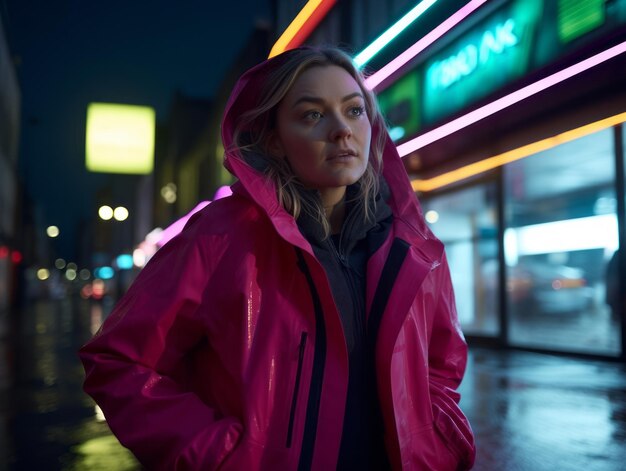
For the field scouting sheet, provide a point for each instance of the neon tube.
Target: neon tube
(384, 73)
(302, 25)
(519, 153)
(508, 100)
(379, 43)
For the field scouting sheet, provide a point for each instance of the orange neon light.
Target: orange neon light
(302, 25)
(513, 155)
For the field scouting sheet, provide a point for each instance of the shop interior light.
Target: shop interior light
(381, 41)
(515, 154)
(302, 25)
(377, 78)
(592, 232)
(508, 100)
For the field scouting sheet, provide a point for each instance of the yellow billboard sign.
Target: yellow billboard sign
(120, 138)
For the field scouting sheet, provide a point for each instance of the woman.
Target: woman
(305, 322)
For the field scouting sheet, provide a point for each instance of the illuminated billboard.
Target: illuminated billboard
(120, 138)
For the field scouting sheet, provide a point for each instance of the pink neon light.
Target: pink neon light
(174, 229)
(508, 100)
(222, 192)
(381, 75)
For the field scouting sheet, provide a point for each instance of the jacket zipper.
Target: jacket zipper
(349, 276)
(317, 374)
(294, 399)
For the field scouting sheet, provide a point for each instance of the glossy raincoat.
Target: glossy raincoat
(228, 351)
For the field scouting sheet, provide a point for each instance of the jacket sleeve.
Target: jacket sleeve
(134, 366)
(447, 359)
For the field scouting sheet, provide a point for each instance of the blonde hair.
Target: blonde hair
(253, 129)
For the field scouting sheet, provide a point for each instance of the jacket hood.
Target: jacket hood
(245, 96)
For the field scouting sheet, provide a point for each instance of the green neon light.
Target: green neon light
(399, 106)
(379, 43)
(493, 42)
(578, 17)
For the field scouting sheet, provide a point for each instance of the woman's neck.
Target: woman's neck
(333, 201)
(335, 215)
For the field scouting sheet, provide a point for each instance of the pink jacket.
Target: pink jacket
(207, 362)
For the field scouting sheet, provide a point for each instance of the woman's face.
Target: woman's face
(323, 130)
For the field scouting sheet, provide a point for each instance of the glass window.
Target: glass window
(465, 221)
(561, 232)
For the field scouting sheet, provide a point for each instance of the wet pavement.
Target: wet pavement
(529, 411)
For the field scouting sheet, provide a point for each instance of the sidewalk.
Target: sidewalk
(534, 412)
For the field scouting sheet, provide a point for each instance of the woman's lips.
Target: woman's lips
(342, 156)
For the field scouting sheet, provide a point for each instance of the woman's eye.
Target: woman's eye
(357, 111)
(312, 115)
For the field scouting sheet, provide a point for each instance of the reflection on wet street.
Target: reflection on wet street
(540, 412)
(529, 411)
(51, 423)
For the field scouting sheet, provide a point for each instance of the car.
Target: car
(538, 287)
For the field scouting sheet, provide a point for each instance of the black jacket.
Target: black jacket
(344, 257)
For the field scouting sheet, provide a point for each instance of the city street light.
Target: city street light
(105, 212)
(120, 213)
(53, 231)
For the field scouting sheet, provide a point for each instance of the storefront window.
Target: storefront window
(561, 232)
(465, 221)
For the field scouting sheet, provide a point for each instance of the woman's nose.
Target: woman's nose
(340, 130)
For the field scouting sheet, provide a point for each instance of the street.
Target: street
(530, 412)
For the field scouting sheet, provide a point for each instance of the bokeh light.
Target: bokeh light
(432, 216)
(105, 212)
(120, 213)
(139, 258)
(168, 192)
(53, 231)
(105, 273)
(124, 261)
(16, 257)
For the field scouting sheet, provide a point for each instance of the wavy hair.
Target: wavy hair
(253, 130)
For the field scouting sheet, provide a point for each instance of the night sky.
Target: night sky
(69, 53)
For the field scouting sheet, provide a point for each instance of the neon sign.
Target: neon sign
(514, 39)
(496, 41)
(496, 52)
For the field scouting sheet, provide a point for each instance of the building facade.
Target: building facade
(509, 116)
(10, 106)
